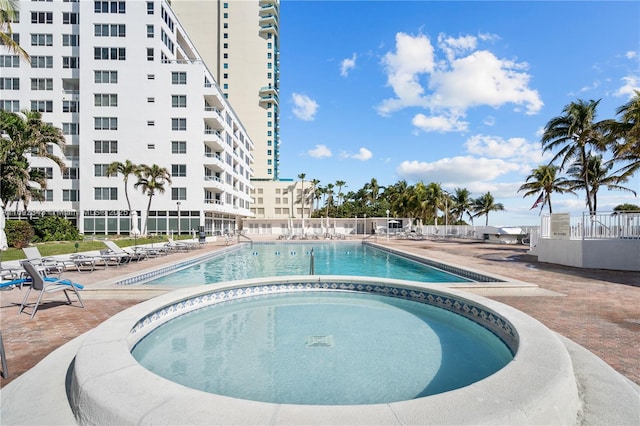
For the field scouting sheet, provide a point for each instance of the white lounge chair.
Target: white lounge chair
(46, 285)
(48, 265)
(124, 255)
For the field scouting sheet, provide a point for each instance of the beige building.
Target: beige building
(239, 41)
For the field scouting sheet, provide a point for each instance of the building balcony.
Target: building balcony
(264, 99)
(268, 19)
(268, 9)
(213, 183)
(268, 29)
(213, 139)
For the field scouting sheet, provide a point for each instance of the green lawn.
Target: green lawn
(68, 247)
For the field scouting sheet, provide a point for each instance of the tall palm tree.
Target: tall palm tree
(461, 204)
(8, 14)
(599, 176)
(316, 193)
(151, 179)
(485, 204)
(626, 148)
(373, 191)
(126, 169)
(543, 181)
(576, 134)
(26, 134)
(301, 176)
(340, 184)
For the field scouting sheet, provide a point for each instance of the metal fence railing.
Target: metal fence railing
(603, 225)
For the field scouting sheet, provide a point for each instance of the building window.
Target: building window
(100, 170)
(9, 61)
(179, 124)
(45, 172)
(178, 170)
(110, 77)
(178, 147)
(178, 77)
(48, 194)
(110, 30)
(150, 31)
(105, 147)
(70, 40)
(10, 105)
(70, 106)
(70, 128)
(105, 100)
(105, 193)
(149, 54)
(151, 146)
(105, 123)
(42, 62)
(42, 106)
(70, 195)
(70, 62)
(70, 173)
(70, 18)
(149, 8)
(178, 101)
(42, 39)
(178, 193)
(106, 53)
(9, 84)
(42, 17)
(109, 7)
(151, 123)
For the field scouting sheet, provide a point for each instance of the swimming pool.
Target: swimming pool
(260, 260)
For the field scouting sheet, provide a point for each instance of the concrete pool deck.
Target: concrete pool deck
(598, 310)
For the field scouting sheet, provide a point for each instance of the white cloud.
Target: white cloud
(456, 171)
(363, 154)
(631, 84)
(304, 107)
(347, 64)
(483, 79)
(413, 56)
(465, 78)
(525, 153)
(454, 47)
(489, 121)
(631, 54)
(439, 123)
(320, 151)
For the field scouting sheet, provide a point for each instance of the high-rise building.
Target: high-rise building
(125, 82)
(239, 40)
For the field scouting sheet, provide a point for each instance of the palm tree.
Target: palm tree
(599, 176)
(26, 134)
(301, 176)
(316, 193)
(8, 14)
(126, 169)
(627, 131)
(340, 184)
(485, 204)
(151, 179)
(461, 203)
(373, 191)
(543, 181)
(576, 134)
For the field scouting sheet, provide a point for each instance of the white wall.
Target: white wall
(616, 254)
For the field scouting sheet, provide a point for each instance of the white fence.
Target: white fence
(606, 225)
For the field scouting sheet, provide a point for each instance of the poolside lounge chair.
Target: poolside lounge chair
(48, 265)
(182, 245)
(124, 255)
(46, 285)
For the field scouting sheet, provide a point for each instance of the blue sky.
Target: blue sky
(446, 91)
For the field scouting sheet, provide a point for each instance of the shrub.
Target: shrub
(19, 233)
(54, 228)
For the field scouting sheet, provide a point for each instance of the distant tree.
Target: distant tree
(303, 197)
(462, 204)
(576, 134)
(126, 169)
(485, 204)
(626, 207)
(151, 179)
(626, 134)
(543, 181)
(54, 228)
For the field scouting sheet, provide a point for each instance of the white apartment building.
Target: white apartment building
(239, 40)
(125, 82)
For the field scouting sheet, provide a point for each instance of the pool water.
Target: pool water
(322, 348)
(278, 259)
